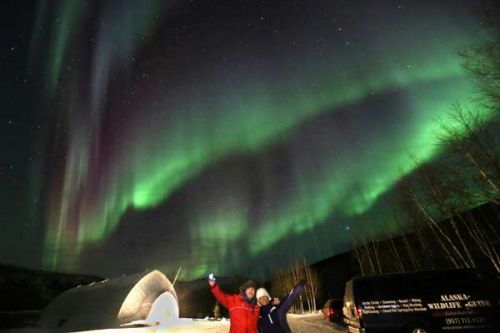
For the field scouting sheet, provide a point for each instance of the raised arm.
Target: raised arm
(291, 297)
(222, 297)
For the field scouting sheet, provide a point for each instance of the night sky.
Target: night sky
(224, 136)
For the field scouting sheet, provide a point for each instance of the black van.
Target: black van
(423, 302)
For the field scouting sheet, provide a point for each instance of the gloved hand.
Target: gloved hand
(211, 279)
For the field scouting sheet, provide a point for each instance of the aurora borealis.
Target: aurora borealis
(225, 136)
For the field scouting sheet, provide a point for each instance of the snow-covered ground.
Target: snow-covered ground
(308, 323)
(312, 323)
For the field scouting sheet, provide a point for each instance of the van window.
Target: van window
(462, 281)
(397, 286)
(364, 288)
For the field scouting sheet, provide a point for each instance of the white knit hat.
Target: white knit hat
(262, 292)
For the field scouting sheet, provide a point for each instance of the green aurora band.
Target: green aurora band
(170, 144)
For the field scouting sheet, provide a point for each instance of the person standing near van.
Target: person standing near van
(273, 314)
(243, 311)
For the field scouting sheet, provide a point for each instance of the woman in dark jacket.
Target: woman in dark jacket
(272, 317)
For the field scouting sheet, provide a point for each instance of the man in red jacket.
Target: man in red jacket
(243, 312)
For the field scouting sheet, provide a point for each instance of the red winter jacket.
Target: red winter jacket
(243, 316)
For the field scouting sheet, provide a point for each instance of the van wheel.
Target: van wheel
(417, 328)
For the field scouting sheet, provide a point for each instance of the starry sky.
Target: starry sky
(224, 136)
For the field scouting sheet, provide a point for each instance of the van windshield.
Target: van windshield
(348, 298)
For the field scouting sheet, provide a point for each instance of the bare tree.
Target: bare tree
(397, 258)
(469, 137)
(433, 179)
(216, 310)
(285, 279)
(483, 60)
(417, 213)
(358, 256)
